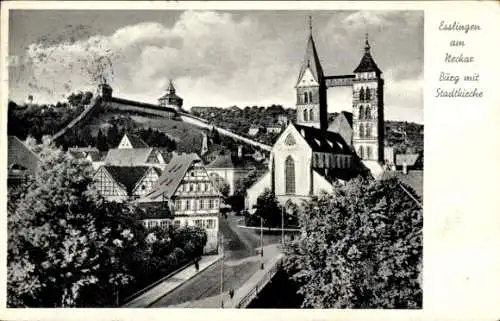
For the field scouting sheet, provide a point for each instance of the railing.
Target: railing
(245, 301)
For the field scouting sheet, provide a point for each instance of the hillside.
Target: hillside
(188, 138)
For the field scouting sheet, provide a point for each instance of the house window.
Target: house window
(361, 130)
(210, 223)
(195, 187)
(289, 175)
(368, 114)
(198, 223)
(368, 94)
(206, 203)
(305, 115)
(361, 112)
(211, 204)
(177, 223)
(368, 152)
(188, 205)
(178, 205)
(362, 94)
(361, 154)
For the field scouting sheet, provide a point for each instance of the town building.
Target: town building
(231, 167)
(21, 163)
(149, 156)
(125, 183)
(187, 190)
(254, 130)
(132, 141)
(312, 154)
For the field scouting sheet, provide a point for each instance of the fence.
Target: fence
(245, 301)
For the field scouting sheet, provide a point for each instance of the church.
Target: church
(313, 153)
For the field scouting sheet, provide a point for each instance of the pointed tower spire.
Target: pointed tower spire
(171, 88)
(367, 44)
(311, 58)
(367, 64)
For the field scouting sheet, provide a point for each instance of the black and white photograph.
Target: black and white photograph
(228, 159)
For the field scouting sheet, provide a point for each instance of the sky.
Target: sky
(215, 58)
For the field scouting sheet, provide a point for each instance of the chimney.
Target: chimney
(240, 151)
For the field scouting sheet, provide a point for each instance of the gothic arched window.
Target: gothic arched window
(361, 130)
(305, 98)
(368, 114)
(310, 97)
(361, 154)
(368, 152)
(362, 94)
(311, 116)
(361, 112)
(368, 130)
(289, 175)
(306, 118)
(367, 94)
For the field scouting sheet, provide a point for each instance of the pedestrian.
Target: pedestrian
(196, 265)
(231, 293)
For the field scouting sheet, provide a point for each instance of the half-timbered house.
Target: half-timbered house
(191, 196)
(125, 183)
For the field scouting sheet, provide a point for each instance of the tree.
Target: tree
(67, 246)
(268, 209)
(220, 184)
(360, 247)
(101, 142)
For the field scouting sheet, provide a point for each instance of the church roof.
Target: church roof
(367, 63)
(323, 141)
(311, 61)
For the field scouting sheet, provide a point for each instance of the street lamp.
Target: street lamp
(222, 274)
(283, 226)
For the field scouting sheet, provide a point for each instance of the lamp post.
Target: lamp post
(222, 273)
(261, 243)
(282, 226)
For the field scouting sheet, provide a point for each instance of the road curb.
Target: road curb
(189, 278)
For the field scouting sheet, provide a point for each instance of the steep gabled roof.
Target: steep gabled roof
(311, 61)
(128, 156)
(172, 176)
(135, 141)
(19, 154)
(126, 176)
(323, 141)
(232, 161)
(409, 159)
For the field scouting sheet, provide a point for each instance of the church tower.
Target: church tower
(311, 89)
(368, 108)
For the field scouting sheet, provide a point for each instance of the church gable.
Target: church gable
(307, 79)
(291, 139)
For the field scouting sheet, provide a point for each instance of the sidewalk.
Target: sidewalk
(250, 285)
(152, 295)
(271, 255)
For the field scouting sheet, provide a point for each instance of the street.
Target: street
(240, 264)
